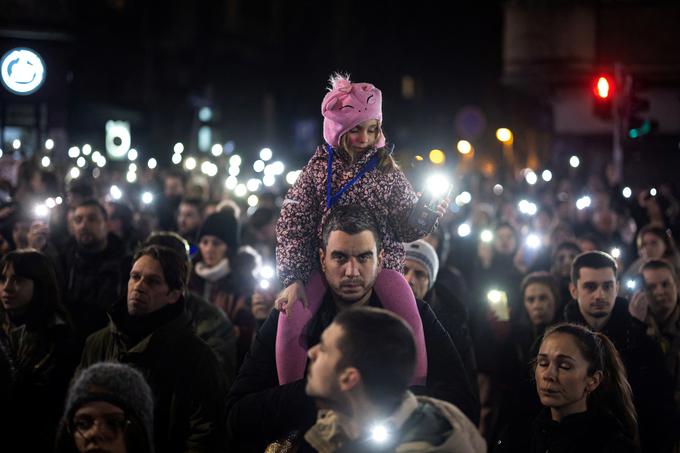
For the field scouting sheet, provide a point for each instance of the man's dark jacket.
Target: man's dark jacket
(93, 283)
(647, 374)
(188, 386)
(261, 410)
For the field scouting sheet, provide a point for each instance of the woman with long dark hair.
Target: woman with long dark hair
(36, 331)
(587, 400)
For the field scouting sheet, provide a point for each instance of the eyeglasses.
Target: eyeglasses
(110, 425)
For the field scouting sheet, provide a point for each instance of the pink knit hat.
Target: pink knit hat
(348, 104)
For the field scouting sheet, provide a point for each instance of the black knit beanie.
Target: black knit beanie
(223, 225)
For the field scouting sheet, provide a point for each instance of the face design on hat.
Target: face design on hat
(348, 105)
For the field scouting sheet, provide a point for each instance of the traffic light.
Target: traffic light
(635, 123)
(604, 92)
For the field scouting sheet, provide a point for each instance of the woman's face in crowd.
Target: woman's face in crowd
(99, 426)
(15, 292)
(539, 303)
(561, 373)
(652, 247)
(213, 250)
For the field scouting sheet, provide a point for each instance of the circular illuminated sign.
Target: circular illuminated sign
(22, 71)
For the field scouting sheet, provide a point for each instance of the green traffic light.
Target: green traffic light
(644, 129)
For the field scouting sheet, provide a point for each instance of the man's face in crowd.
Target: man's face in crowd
(351, 264)
(662, 292)
(173, 187)
(188, 218)
(505, 241)
(147, 289)
(539, 303)
(595, 291)
(323, 376)
(89, 227)
(417, 277)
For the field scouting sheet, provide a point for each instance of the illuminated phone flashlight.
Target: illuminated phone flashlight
(41, 211)
(486, 236)
(115, 192)
(266, 275)
(380, 434)
(495, 296)
(631, 284)
(583, 202)
(616, 252)
(438, 185)
(533, 241)
(147, 198)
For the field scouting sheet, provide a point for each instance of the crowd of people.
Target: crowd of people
(138, 328)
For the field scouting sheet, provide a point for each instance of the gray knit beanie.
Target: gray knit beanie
(422, 252)
(118, 384)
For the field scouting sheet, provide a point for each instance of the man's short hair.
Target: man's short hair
(195, 202)
(352, 219)
(594, 260)
(567, 245)
(541, 278)
(93, 202)
(175, 266)
(655, 265)
(381, 346)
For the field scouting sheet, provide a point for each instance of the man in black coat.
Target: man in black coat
(261, 410)
(594, 289)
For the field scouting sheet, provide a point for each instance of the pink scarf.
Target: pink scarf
(394, 294)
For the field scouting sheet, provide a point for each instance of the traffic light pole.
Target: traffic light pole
(617, 146)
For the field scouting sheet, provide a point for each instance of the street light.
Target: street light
(464, 147)
(504, 135)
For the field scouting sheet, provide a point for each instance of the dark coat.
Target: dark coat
(587, 432)
(261, 410)
(93, 283)
(647, 374)
(188, 386)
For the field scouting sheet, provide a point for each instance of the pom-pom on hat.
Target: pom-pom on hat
(348, 104)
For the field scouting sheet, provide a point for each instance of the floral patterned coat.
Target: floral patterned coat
(388, 195)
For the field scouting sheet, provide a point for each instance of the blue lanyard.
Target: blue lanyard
(332, 199)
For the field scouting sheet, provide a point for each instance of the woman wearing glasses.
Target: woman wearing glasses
(109, 408)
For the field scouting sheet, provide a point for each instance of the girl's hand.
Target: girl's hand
(443, 207)
(292, 293)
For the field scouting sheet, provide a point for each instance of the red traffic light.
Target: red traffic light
(603, 87)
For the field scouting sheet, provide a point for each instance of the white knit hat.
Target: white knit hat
(422, 252)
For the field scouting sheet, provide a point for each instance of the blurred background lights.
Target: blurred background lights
(574, 161)
(494, 296)
(41, 210)
(464, 230)
(45, 161)
(73, 152)
(49, 144)
(464, 197)
(533, 241)
(234, 171)
(115, 192)
(147, 198)
(58, 200)
(74, 173)
(616, 252)
(131, 177)
(132, 154)
(437, 156)
(190, 163)
(292, 176)
(16, 143)
(231, 182)
(235, 160)
(267, 272)
(504, 135)
(464, 146)
(498, 189)
(627, 192)
(176, 159)
(527, 207)
(178, 148)
(87, 149)
(50, 203)
(268, 180)
(652, 192)
(278, 168)
(253, 200)
(81, 162)
(240, 190)
(205, 114)
(546, 175)
(531, 177)
(216, 149)
(258, 166)
(583, 202)
(152, 163)
(266, 154)
(253, 184)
